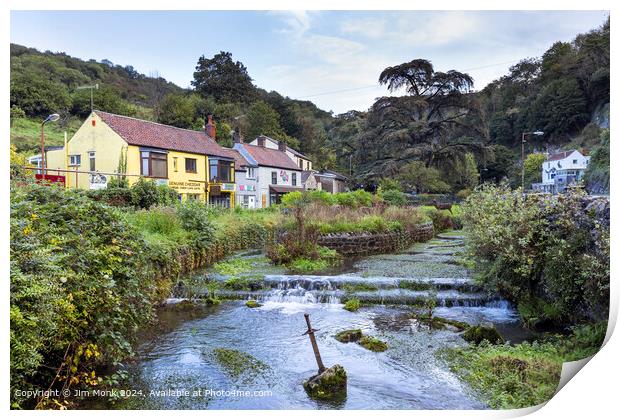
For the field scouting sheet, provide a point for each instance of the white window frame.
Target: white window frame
(75, 160)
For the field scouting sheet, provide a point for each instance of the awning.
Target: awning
(282, 189)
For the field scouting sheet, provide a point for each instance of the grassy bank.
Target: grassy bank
(508, 376)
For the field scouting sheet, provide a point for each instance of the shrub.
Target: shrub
(80, 288)
(545, 253)
(195, 219)
(394, 198)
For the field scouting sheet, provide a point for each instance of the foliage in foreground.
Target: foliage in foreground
(547, 254)
(80, 288)
(526, 374)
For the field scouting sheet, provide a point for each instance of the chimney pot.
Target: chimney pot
(281, 146)
(210, 127)
(237, 136)
(261, 141)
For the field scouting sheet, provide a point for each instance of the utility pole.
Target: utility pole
(91, 87)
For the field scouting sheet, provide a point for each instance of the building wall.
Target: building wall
(264, 181)
(551, 167)
(98, 138)
(246, 187)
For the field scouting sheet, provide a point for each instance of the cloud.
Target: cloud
(296, 22)
(367, 27)
(439, 29)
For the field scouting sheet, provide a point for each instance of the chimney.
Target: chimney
(281, 146)
(237, 136)
(261, 141)
(210, 127)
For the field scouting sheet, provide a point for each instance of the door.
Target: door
(251, 202)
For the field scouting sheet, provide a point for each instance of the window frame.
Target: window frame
(274, 177)
(195, 161)
(92, 161)
(294, 179)
(222, 165)
(79, 160)
(150, 158)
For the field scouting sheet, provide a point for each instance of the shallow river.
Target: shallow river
(409, 375)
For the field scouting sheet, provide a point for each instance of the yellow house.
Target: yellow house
(107, 145)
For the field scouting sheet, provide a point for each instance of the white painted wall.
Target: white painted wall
(574, 161)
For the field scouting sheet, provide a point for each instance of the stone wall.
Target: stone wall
(350, 244)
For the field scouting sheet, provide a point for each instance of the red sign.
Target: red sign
(52, 179)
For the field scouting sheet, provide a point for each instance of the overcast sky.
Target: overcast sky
(331, 58)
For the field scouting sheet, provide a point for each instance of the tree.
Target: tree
(37, 96)
(104, 99)
(178, 110)
(533, 167)
(438, 119)
(262, 119)
(422, 179)
(224, 79)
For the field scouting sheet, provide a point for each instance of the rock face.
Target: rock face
(329, 385)
(478, 333)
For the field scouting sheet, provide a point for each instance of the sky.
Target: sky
(332, 58)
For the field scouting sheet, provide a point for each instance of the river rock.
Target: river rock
(373, 344)
(348, 336)
(329, 385)
(252, 304)
(478, 333)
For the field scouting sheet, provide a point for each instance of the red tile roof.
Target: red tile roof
(150, 134)
(271, 157)
(559, 155)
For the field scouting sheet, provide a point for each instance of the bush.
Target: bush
(394, 198)
(545, 253)
(80, 288)
(145, 193)
(196, 220)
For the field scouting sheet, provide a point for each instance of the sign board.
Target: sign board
(97, 181)
(228, 187)
(52, 179)
(161, 182)
(243, 187)
(186, 186)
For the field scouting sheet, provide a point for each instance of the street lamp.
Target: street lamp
(535, 133)
(50, 118)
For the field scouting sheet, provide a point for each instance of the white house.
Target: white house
(560, 170)
(269, 173)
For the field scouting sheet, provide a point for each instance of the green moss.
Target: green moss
(373, 344)
(305, 265)
(237, 363)
(352, 305)
(507, 376)
(211, 301)
(358, 287)
(348, 336)
(329, 385)
(479, 333)
(252, 304)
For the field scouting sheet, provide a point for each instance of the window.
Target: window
(91, 158)
(75, 160)
(190, 165)
(251, 173)
(549, 165)
(221, 170)
(274, 178)
(294, 179)
(574, 161)
(154, 164)
(175, 164)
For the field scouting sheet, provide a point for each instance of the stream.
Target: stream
(178, 353)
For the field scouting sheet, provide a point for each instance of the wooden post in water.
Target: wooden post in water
(315, 347)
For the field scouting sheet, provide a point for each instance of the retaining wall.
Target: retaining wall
(350, 244)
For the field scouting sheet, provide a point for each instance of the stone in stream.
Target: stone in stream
(331, 384)
(348, 336)
(479, 333)
(252, 304)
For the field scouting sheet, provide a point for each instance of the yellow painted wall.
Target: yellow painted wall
(184, 182)
(100, 139)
